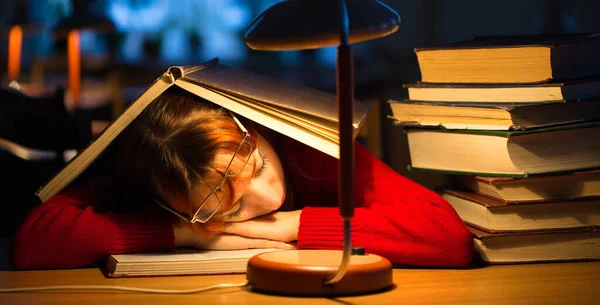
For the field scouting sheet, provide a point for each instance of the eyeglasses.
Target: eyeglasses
(215, 198)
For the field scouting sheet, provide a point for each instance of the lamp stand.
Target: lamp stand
(328, 272)
(303, 273)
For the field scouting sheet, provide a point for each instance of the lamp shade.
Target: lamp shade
(311, 24)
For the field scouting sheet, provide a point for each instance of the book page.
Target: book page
(189, 255)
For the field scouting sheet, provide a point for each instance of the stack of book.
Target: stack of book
(515, 122)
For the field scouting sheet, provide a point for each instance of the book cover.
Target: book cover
(557, 149)
(568, 186)
(551, 92)
(492, 116)
(496, 216)
(511, 248)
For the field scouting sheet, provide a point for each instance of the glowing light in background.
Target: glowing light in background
(174, 46)
(178, 32)
(91, 43)
(74, 57)
(15, 41)
(214, 25)
(145, 16)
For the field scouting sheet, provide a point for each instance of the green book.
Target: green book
(558, 149)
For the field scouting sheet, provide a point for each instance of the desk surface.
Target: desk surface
(561, 283)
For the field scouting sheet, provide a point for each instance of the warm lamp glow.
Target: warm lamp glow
(15, 41)
(74, 58)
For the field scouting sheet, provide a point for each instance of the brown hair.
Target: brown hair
(166, 151)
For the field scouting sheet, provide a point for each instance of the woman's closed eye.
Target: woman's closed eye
(240, 209)
(232, 216)
(265, 162)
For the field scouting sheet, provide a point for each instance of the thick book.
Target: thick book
(496, 216)
(512, 59)
(555, 92)
(557, 149)
(569, 186)
(181, 262)
(305, 114)
(510, 248)
(453, 115)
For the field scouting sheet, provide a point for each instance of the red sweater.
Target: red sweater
(394, 217)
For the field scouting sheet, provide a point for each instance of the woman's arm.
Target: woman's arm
(65, 232)
(394, 217)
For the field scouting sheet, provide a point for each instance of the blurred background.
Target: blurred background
(121, 46)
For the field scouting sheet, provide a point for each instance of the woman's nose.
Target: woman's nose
(265, 195)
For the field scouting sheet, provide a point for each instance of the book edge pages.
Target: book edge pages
(221, 262)
(268, 120)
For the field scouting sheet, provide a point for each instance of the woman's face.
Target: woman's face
(260, 195)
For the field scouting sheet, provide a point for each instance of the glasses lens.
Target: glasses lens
(211, 205)
(241, 158)
(237, 165)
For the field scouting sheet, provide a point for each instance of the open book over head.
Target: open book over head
(305, 114)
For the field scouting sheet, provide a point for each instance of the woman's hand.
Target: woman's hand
(186, 237)
(279, 226)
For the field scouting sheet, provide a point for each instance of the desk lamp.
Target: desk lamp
(311, 24)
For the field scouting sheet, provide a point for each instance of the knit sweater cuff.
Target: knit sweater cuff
(143, 233)
(323, 228)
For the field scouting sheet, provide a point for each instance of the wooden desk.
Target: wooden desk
(564, 283)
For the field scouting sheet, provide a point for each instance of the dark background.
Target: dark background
(147, 36)
(150, 35)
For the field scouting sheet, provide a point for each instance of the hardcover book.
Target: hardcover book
(564, 148)
(505, 93)
(456, 115)
(512, 59)
(510, 248)
(569, 186)
(305, 114)
(495, 216)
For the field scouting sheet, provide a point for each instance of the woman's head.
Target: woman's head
(180, 150)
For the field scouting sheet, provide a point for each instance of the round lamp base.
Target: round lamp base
(303, 273)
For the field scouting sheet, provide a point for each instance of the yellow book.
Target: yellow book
(512, 59)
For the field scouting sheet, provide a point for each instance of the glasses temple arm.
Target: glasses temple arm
(177, 213)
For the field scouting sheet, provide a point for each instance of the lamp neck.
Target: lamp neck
(344, 22)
